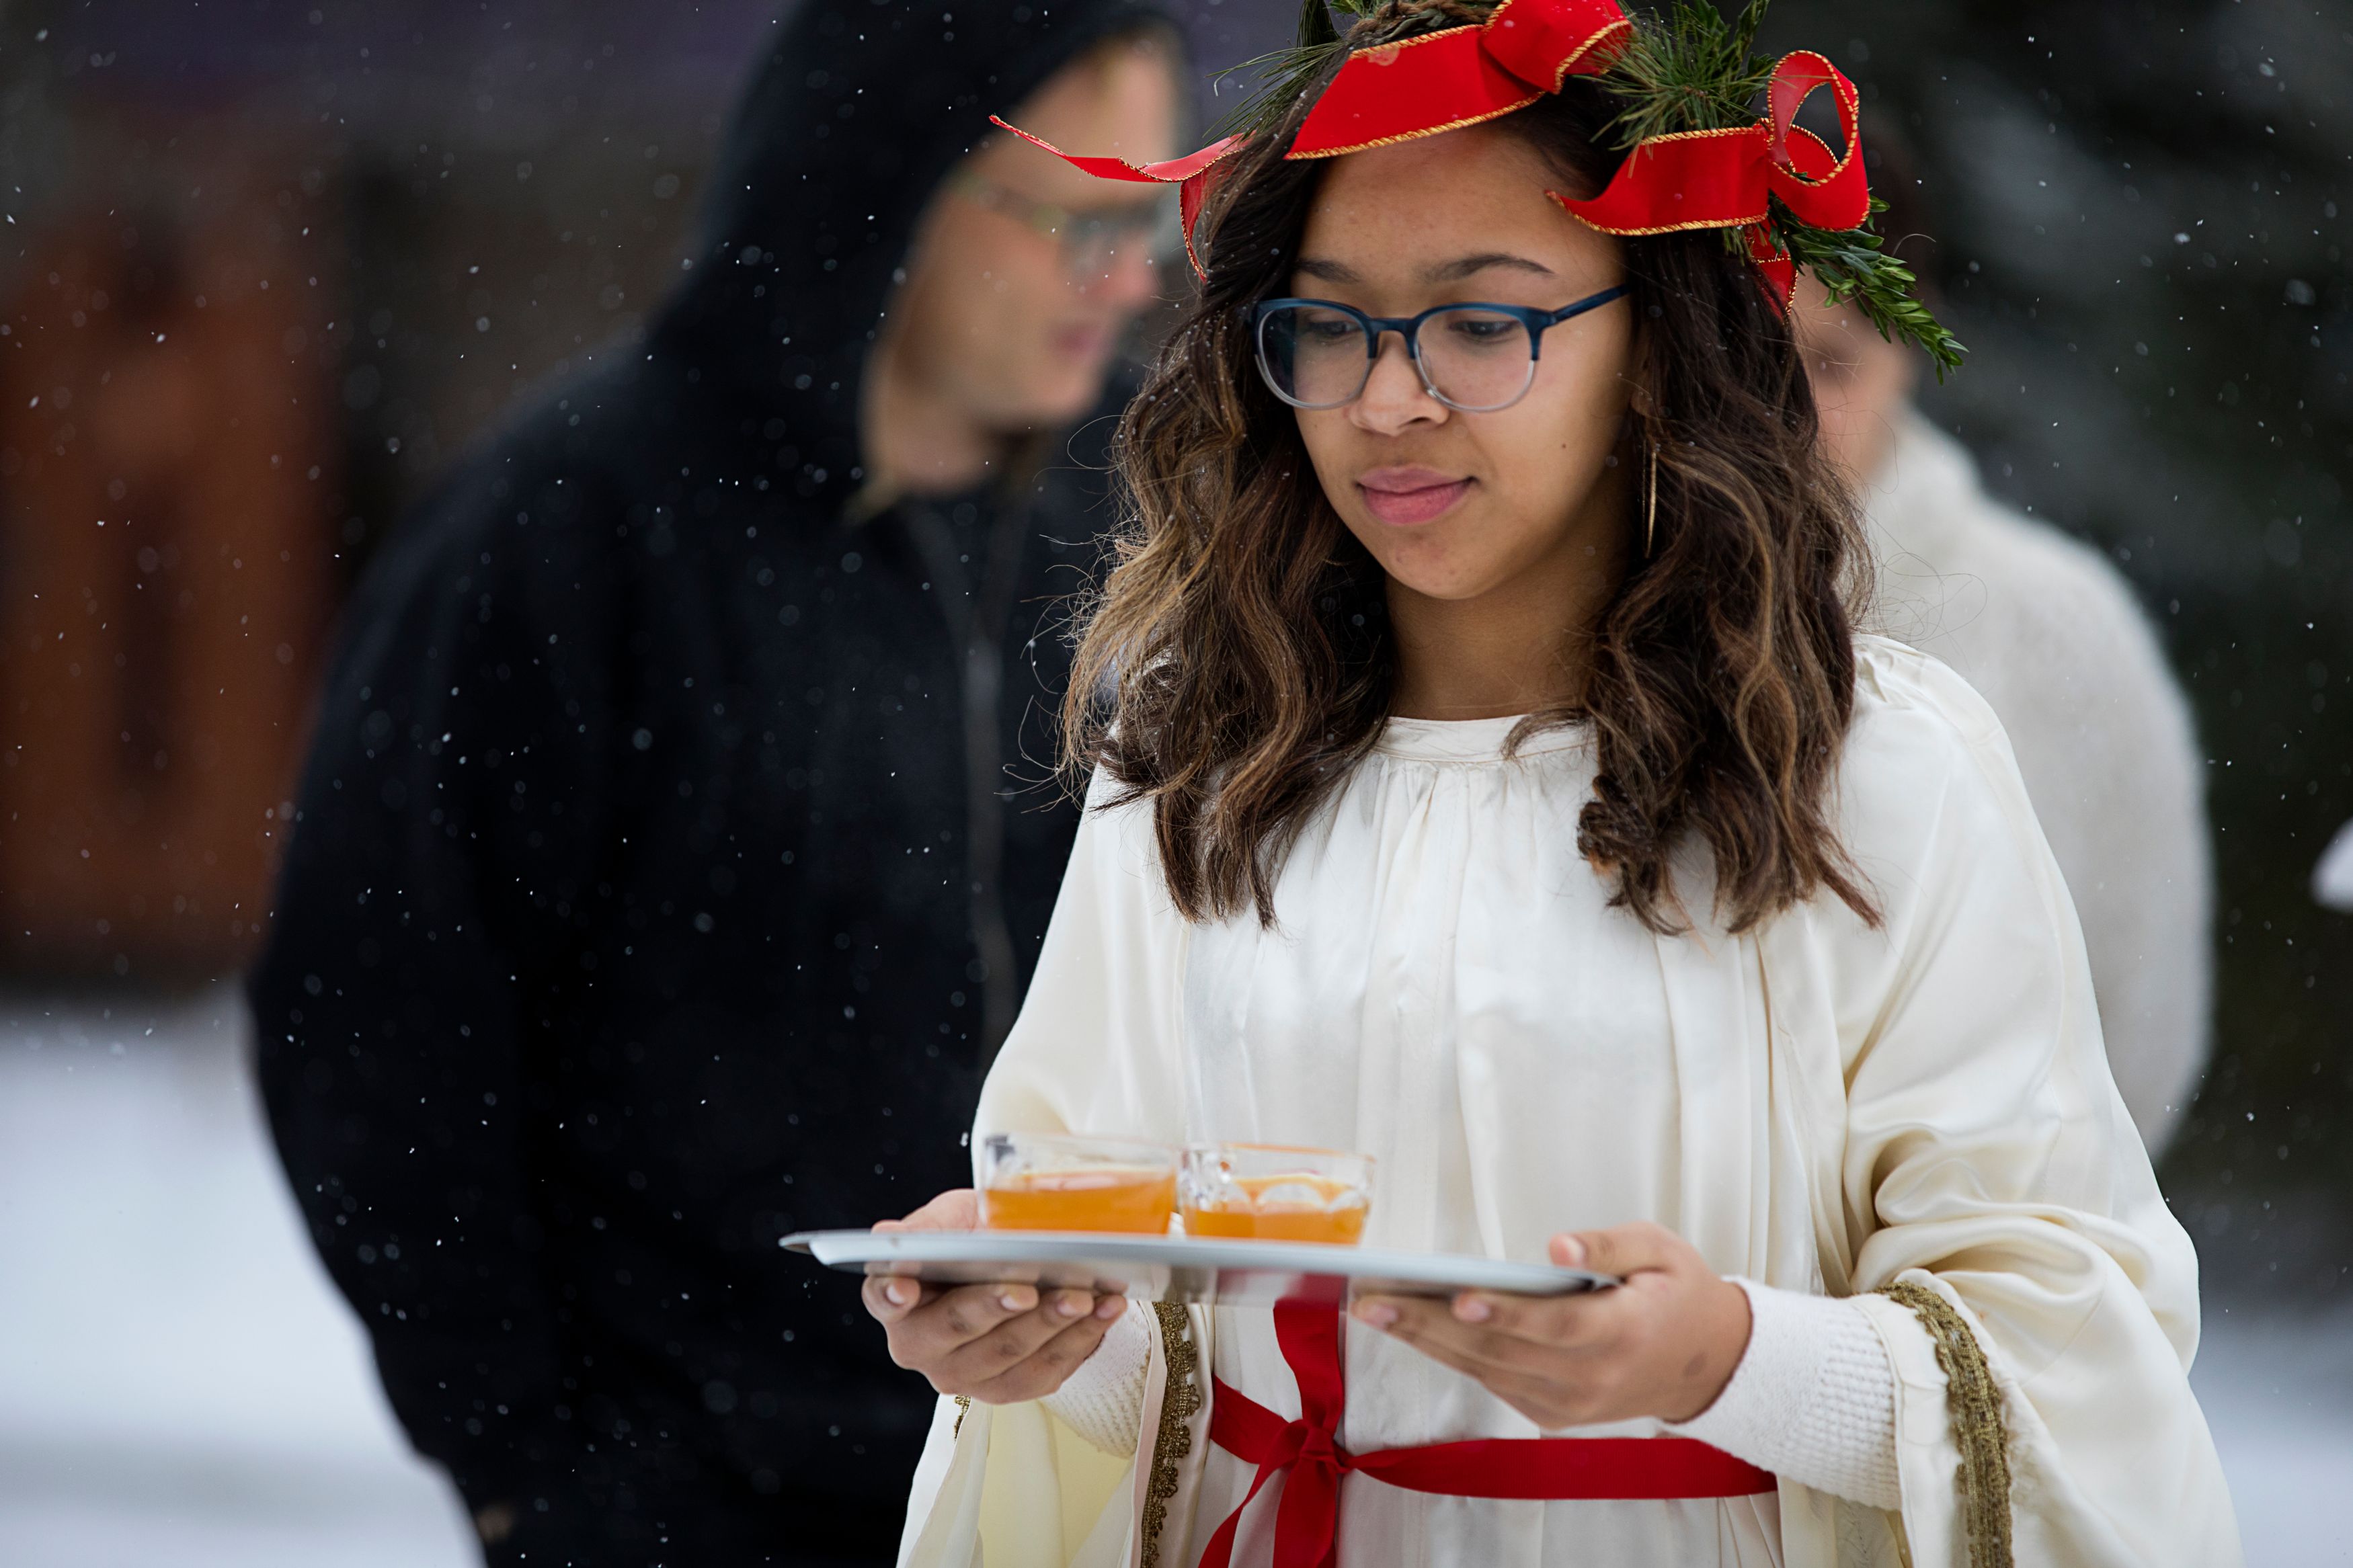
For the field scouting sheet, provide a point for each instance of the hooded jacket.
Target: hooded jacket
(664, 868)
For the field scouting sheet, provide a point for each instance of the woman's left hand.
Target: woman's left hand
(1662, 1344)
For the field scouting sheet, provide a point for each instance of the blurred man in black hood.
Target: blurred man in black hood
(662, 879)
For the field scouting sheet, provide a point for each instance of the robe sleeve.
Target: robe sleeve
(1991, 1177)
(1093, 1051)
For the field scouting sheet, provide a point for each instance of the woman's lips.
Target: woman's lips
(1406, 496)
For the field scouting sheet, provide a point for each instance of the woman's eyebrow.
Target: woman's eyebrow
(1464, 266)
(1329, 271)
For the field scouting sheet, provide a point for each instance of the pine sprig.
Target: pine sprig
(1690, 69)
(1851, 265)
(1315, 28)
(1284, 74)
(1752, 19)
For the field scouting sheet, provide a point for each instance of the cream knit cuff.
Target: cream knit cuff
(1103, 1401)
(1814, 1397)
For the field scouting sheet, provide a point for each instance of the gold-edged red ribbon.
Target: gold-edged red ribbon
(1194, 175)
(1307, 1454)
(1464, 76)
(1723, 179)
(1418, 88)
(1445, 81)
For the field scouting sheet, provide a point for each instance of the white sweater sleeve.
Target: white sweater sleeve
(1814, 1397)
(1103, 1401)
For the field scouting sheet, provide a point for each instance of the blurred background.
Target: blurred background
(266, 265)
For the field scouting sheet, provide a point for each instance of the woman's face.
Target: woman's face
(1457, 506)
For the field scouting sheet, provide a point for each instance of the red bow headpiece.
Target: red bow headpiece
(1721, 178)
(1464, 75)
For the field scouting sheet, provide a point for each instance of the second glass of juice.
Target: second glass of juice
(1270, 1193)
(1036, 1181)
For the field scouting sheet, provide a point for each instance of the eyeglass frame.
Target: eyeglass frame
(1070, 227)
(1535, 321)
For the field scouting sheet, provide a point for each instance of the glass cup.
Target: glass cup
(1269, 1193)
(1037, 1181)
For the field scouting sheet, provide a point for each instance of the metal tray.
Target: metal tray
(1178, 1268)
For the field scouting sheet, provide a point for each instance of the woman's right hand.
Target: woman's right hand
(1001, 1344)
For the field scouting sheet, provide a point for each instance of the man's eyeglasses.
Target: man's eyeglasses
(1475, 358)
(1091, 240)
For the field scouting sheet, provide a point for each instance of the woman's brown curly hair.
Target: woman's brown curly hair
(1237, 662)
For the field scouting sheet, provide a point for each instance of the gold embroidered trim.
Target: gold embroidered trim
(1977, 1430)
(964, 1408)
(1180, 1401)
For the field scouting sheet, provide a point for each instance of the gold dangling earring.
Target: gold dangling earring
(1650, 501)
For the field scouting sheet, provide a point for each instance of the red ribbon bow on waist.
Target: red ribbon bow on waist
(1722, 179)
(1308, 1522)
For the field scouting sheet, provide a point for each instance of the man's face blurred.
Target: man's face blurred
(1016, 326)
(1859, 379)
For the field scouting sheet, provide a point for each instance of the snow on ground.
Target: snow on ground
(181, 1387)
(2278, 1393)
(180, 1384)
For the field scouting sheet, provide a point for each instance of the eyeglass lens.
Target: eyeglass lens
(1092, 244)
(1473, 360)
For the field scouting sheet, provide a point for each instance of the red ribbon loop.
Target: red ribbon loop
(1445, 81)
(1307, 1521)
(1545, 42)
(1722, 179)
(1826, 190)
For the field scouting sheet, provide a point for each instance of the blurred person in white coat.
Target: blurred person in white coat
(2050, 634)
(2332, 880)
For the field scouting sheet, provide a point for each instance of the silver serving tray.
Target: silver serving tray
(1202, 1269)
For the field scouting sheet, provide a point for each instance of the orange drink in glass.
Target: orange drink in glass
(1267, 1191)
(1035, 1181)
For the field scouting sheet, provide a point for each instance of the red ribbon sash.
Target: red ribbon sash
(1307, 1521)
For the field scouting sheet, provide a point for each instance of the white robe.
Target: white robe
(1822, 1106)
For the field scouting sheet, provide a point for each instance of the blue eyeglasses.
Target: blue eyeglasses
(1319, 353)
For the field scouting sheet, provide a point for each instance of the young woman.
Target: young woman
(1486, 778)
